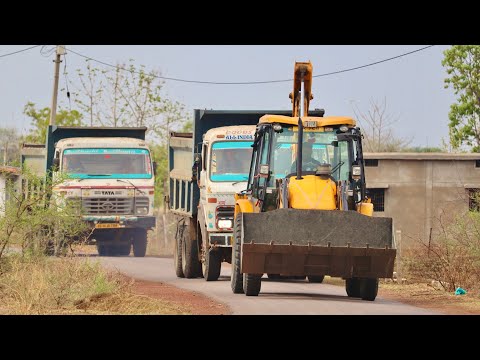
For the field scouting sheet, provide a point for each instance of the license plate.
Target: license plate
(108, 226)
(310, 124)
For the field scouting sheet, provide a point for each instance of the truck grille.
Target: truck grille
(108, 206)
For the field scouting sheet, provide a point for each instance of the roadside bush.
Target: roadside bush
(37, 221)
(453, 260)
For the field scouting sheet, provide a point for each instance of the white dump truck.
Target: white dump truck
(111, 179)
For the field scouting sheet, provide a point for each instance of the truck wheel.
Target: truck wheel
(177, 256)
(316, 279)
(140, 242)
(352, 286)
(191, 267)
(236, 280)
(102, 250)
(369, 289)
(212, 265)
(274, 276)
(124, 249)
(252, 284)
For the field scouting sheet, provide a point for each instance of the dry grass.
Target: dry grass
(40, 285)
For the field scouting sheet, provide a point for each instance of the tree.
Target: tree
(127, 96)
(9, 141)
(41, 118)
(377, 130)
(462, 63)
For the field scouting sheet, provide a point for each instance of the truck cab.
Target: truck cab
(111, 181)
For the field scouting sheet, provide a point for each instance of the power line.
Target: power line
(256, 82)
(19, 51)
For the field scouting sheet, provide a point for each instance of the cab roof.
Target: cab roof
(321, 121)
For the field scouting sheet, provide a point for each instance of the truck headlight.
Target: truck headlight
(225, 224)
(142, 210)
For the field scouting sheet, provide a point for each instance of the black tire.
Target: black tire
(236, 280)
(124, 249)
(191, 267)
(369, 289)
(177, 254)
(316, 279)
(102, 250)
(352, 286)
(252, 284)
(212, 265)
(274, 276)
(140, 242)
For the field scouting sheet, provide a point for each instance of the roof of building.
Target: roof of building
(421, 156)
(9, 170)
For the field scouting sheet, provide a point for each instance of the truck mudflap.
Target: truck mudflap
(317, 242)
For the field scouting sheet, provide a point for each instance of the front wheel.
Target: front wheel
(316, 279)
(212, 265)
(140, 243)
(369, 289)
(236, 280)
(352, 286)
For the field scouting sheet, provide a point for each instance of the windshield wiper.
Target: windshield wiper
(235, 183)
(93, 175)
(135, 187)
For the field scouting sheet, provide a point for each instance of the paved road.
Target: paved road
(281, 297)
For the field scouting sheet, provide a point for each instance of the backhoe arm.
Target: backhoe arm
(303, 71)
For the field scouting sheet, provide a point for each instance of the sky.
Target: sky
(413, 86)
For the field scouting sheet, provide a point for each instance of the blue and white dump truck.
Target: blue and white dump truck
(111, 177)
(206, 168)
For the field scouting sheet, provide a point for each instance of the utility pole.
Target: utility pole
(53, 110)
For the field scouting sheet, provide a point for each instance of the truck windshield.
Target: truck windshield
(107, 163)
(320, 147)
(230, 160)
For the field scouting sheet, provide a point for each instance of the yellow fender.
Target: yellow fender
(243, 206)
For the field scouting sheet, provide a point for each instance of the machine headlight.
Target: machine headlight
(343, 128)
(225, 224)
(142, 210)
(356, 172)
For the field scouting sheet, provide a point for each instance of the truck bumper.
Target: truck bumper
(221, 239)
(145, 222)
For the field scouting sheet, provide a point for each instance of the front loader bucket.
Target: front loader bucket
(317, 242)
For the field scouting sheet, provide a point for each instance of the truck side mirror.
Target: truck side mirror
(56, 162)
(155, 168)
(197, 164)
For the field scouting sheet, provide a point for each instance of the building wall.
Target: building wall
(420, 193)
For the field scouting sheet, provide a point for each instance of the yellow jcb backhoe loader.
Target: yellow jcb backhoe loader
(305, 211)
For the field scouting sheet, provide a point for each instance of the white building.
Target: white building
(6, 173)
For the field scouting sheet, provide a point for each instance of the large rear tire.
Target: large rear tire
(368, 289)
(236, 280)
(252, 284)
(352, 286)
(212, 265)
(191, 266)
(316, 279)
(140, 242)
(177, 252)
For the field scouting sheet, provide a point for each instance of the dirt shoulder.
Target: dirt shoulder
(425, 296)
(196, 303)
